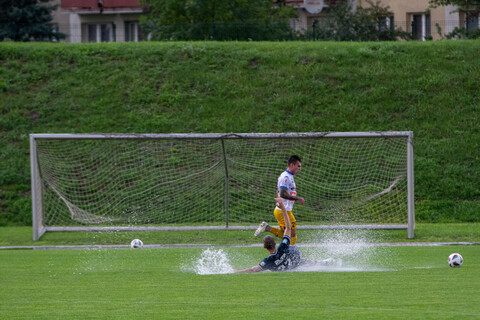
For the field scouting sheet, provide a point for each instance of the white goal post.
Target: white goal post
(149, 182)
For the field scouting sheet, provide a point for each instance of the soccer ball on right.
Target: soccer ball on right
(136, 244)
(455, 260)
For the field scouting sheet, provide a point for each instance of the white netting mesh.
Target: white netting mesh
(182, 181)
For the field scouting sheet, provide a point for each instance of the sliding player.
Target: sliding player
(286, 189)
(286, 256)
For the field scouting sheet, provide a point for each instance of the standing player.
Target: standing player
(287, 190)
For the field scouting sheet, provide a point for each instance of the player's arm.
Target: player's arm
(249, 270)
(284, 194)
(288, 224)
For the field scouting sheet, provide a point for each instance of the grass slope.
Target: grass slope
(415, 283)
(430, 88)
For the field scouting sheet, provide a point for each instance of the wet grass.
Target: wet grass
(395, 283)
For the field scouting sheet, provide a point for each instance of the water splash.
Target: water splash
(212, 262)
(344, 243)
(351, 250)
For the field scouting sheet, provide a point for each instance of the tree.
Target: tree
(465, 5)
(369, 23)
(26, 20)
(217, 19)
(471, 8)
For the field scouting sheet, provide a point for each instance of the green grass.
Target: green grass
(416, 283)
(430, 88)
(424, 232)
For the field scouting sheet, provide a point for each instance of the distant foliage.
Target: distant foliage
(343, 23)
(470, 7)
(462, 33)
(216, 20)
(465, 5)
(27, 20)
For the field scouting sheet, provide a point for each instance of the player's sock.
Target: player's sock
(277, 232)
(293, 240)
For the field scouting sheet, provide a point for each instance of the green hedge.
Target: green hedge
(431, 88)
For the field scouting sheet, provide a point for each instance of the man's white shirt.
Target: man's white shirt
(286, 181)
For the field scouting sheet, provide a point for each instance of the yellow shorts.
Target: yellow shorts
(281, 222)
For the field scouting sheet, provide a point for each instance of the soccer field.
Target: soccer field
(366, 282)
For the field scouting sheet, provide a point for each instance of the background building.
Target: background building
(118, 20)
(99, 20)
(310, 10)
(423, 22)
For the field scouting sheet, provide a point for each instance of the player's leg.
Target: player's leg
(293, 238)
(262, 228)
(281, 222)
(279, 231)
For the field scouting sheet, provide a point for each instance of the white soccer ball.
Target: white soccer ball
(136, 244)
(455, 260)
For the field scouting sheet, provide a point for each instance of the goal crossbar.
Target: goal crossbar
(331, 201)
(180, 136)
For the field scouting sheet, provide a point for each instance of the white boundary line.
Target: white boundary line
(206, 246)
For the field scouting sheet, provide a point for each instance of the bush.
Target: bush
(462, 33)
(363, 24)
(180, 87)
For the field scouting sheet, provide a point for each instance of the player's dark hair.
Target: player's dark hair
(269, 243)
(294, 159)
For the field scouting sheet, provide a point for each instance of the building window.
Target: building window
(417, 27)
(92, 33)
(421, 26)
(132, 31)
(385, 23)
(471, 22)
(105, 32)
(101, 32)
(428, 26)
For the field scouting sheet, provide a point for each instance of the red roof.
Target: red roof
(93, 5)
(98, 4)
(300, 2)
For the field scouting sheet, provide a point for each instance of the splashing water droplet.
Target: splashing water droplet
(353, 249)
(213, 262)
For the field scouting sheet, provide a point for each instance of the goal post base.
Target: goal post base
(38, 233)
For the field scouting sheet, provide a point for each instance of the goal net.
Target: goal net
(177, 181)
